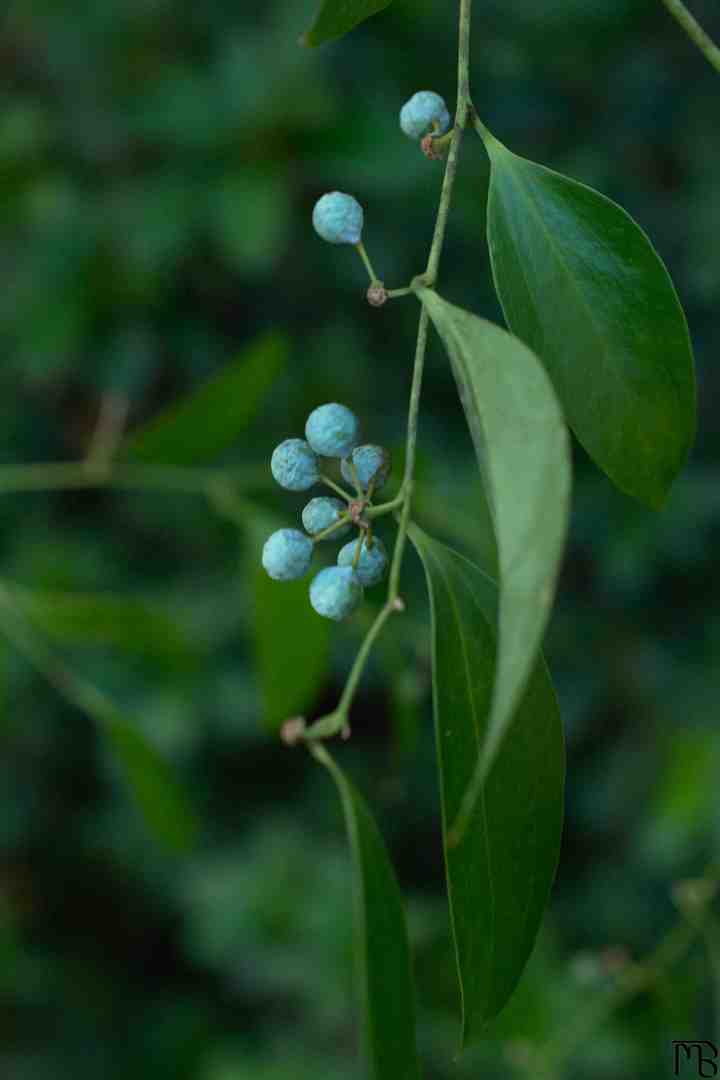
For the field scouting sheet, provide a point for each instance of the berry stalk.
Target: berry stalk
(331, 725)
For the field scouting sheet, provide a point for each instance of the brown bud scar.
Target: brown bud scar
(377, 294)
(293, 730)
(429, 149)
(355, 510)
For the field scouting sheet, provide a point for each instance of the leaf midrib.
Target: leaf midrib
(476, 727)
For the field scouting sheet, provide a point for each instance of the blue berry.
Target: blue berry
(287, 554)
(421, 112)
(321, 513)
(372, 564)
(332, 430)
(338, 218)
(335, 592)
(294, 465)
(372, 465)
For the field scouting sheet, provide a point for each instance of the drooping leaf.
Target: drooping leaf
(292, 642)
(338, 17)
(160, 798)
(581, 284)
(104, 619)
(500, 874)
(522, 448)
(202, 425)
(383, 954)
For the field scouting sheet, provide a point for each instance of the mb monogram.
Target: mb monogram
(700, 1051)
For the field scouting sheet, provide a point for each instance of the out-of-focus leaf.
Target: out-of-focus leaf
(208, 421)
(338, 17)
(98, 619)
(292, 642)
(164, 805)
(383, 954)
(521, 444)
(162, 801)
(581, 284)
(500, 874)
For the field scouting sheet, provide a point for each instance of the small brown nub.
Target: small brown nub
(293, 730)
(377, 294)
(430, 150)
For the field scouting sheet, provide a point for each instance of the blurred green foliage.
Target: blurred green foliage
(158, 166)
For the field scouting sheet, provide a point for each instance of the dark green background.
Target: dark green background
(158, 166)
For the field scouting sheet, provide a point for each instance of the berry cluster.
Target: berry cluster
(331, 431)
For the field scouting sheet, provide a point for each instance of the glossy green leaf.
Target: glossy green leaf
(581, 284)
(291, 642)
(338, 17)
(500, 874)
(104, 619)
(521, 443)
(207, 422)
(383, 955)
(160, 798)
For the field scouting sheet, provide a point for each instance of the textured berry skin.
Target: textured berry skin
(335, 592)
(372, 565)
(371, 463)
(321, 513)
(418, 114)
(338, 218)
(294, 465)
(332, 430)
(287, 554)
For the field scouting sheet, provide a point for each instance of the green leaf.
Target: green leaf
(207, 422)
(338, 17)
(581, 284)
(292, 642)
(103, 619)
(160, 798)
(383, 954)
(522, 448)
(500, 874)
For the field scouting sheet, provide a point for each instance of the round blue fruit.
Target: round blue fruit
(372, 564)
(294, 465)
(424, 113)
(332, 430)
(287, 554)
(372, 466)
(338, 218)
(322, 513)
(335, 592)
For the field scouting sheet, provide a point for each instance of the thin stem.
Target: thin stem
(392, 294)
(385, 508)
(334, 722)
(339, 524)
(79, 693)
(410, 452)
(108, 431)
(635, 980)
(336, 488)
(463, 106)
(361, 659)
(79, 475)
(356, 479)
(694, 31)
(360, 248)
